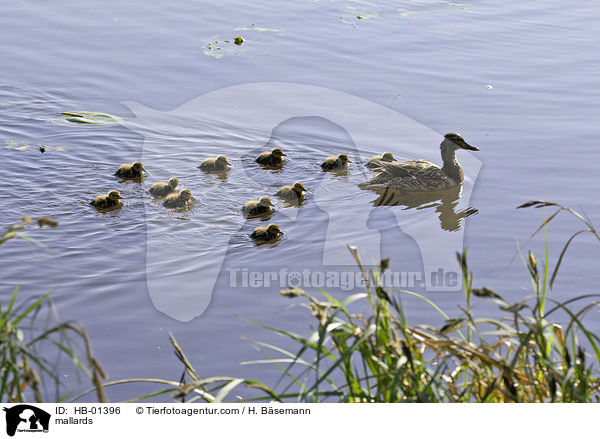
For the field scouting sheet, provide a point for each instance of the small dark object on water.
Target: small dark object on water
(46, 221)
(238, 41)
(42, 149)
(266, 234)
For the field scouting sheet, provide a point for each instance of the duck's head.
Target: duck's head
(265, 201)
(138, 166)
(299, 187)
(455, 141)
(114, 195)
(343, 158)
(185, 195)
(387, 157)
(274, 229)
(173, 182)
(223, 160)
(277, 152)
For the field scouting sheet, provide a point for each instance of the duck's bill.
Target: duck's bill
(470, 147)
(120, 197)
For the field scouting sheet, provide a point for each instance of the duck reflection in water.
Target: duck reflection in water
(444, 202)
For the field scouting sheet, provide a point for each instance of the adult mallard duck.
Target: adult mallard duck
(134, 170)
(161, 189)
(265, 234)
(109, 201)
(273, 158)
(178, 200)
(218, 164)
(375, 160)
(421, 175)
(292, 193)
(260, 207)
(333, 163)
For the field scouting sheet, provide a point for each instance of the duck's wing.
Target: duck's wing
(411, 176)
(404, 169)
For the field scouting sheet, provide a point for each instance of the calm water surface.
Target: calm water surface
(519, 81)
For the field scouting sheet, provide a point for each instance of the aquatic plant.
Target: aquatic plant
(380, 356)
(24, 370)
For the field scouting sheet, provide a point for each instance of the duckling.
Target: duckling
(178, 200)
(422, 175)
(273, 158)
(374, 161)
(260, 207)
(215, 164)
(161, 189)
(112, 200)
(265, 234)
(135, 170)
(292, 193)
(332, 163)
(46, 221)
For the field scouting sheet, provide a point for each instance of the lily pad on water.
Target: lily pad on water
(90, 117)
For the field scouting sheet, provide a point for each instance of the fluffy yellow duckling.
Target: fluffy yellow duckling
(112, 200)
(258, 207)
(273, 158)
(332, 163)
(135, 170)
(292, 193)
(375, 160)
(178, 200)
(215, 164)
(161, 189)
(265, 234)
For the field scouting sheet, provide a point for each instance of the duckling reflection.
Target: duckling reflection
(161, 189)
(444, 202)
(133, 171)
(255, 208)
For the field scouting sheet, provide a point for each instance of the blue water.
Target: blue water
(520, 81)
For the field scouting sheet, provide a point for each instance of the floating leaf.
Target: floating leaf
(92, 118)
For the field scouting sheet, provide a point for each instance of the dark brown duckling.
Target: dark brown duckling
(161, 189)
(260, 207)
(333, 163)
(218, 164)
(46, 221)
(178, 200)
(266, 234)
(292, 193)
(134, 170)
(374, 162)
(273, 158)
(112, 200)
